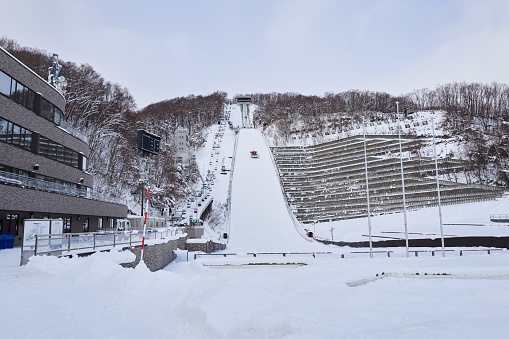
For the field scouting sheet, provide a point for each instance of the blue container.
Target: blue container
(9, 240)
(2, 241)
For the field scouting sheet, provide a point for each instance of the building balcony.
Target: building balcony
(46, 186)
(73, 131)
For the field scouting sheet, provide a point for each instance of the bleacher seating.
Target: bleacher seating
(327, 182)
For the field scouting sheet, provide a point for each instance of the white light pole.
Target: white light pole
(367, 188)
(438, 188)
(402, 179)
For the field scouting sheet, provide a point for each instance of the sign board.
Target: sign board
(33, 227)
(44, 228)
(243, 99)
(148, 142)
(57, 226)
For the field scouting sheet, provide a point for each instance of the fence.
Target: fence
(73, 131)
(80, 242)
(499, 217)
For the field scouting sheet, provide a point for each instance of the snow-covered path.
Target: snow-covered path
(260, 221)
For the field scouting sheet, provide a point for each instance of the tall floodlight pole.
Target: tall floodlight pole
(438, 188)
(367, 188)
(402, 179)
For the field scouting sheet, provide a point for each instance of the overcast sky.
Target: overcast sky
(165, 49)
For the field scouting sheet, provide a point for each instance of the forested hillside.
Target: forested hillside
(107, 114)
(476, 115)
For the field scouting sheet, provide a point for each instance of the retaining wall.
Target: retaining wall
(158, 256)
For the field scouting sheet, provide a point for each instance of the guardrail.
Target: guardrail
(80, 242)
(255, 254)
(230, 185)
(46, 186)
(499, 217)
(73, 131)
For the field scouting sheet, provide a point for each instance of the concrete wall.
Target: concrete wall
(158, 256)
(194, 232)
(207, 247)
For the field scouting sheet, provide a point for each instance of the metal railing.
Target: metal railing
(73, 131)
(47, 186)
(499, 217)
(82, 242)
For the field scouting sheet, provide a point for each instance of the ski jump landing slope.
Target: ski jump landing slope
(260, 221)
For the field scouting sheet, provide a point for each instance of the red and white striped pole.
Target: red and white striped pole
(145, 226)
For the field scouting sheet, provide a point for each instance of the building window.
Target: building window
(85, 225)
(26, 97)
(100, 225)
(55, 151)
(5, 84)
(111, 222)
(67, 224)
(12, 223)
(84, 164)
(15, 134)
(17, 91)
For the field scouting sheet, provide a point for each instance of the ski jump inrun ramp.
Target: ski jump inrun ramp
(260, 220)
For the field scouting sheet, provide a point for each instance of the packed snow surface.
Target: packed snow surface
(260, 221)
(94, 297)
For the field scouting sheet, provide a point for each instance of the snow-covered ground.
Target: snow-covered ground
(472, 219)
(94, 297)
(270, 295)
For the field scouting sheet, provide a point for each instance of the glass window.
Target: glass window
(84, 168)
(3, 130)
(5, 84)
(85, 225)
(13, 88)
(22, 137)
(100, 225)
(74, 162)
(67, 224)
(16, 135)
(47, 110)
(18, 94)
(9, 132)
(67, 156)
(43, 146)
(28, 139)
(13, 223)
(30, 99)
(60, 153)
(50, 149)
(58, 116)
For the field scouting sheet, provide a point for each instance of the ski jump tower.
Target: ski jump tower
(244, 102)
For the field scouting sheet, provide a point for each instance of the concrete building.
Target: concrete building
(43, 160)
(182, 143)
